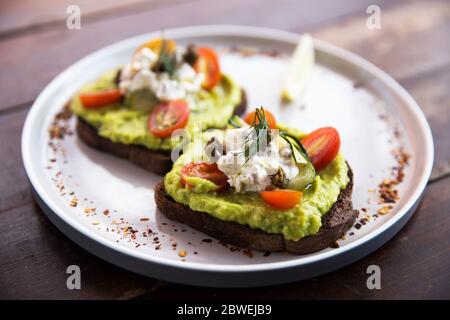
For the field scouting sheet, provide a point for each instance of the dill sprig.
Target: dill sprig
(259, 135)
(167, 61)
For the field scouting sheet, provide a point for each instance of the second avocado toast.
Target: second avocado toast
(262, 186)
(132, 111)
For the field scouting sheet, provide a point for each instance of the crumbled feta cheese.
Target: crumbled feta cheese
(144, 59)
(189, 79)
(138, 75)
(255, 174)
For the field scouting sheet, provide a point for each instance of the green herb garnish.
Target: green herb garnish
(167, 61)
(260, 130)
(259, 136)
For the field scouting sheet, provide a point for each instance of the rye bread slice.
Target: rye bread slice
(335, 223)
(156, 161)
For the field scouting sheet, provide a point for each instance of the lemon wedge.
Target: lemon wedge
(299, 70)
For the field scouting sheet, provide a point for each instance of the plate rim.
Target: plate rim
(238, 31)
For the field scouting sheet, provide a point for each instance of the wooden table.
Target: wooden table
(413, 45)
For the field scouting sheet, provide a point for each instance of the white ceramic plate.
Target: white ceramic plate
(372, 112)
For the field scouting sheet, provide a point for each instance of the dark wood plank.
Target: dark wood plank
(413, 37)
(14, 185)
(415, 264)
(34, 258)
(47, 52)
(31, 15)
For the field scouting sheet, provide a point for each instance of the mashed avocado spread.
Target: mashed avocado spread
(249, 209)
(122, 123)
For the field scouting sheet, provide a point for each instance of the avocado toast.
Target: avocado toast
(133, 111)
(262, 186)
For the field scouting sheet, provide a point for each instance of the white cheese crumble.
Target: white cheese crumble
(254, 175)
(138, 74)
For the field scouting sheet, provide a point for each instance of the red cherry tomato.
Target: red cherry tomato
(95, 100)
(167, 117)
(250, 117)
(204, 170)
(322, 146)
(208, 64)
(281, 199)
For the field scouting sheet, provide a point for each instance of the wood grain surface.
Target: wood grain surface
(412, 45)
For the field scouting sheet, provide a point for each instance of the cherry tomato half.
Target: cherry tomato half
(322, 146)
(167, 117)
(156, 44)
(281, 199)
(204, 170)
(95, 100)
(208, 64)
(250, 117)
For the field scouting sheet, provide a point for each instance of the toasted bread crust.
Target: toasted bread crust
(156, 161)
(335, 223)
